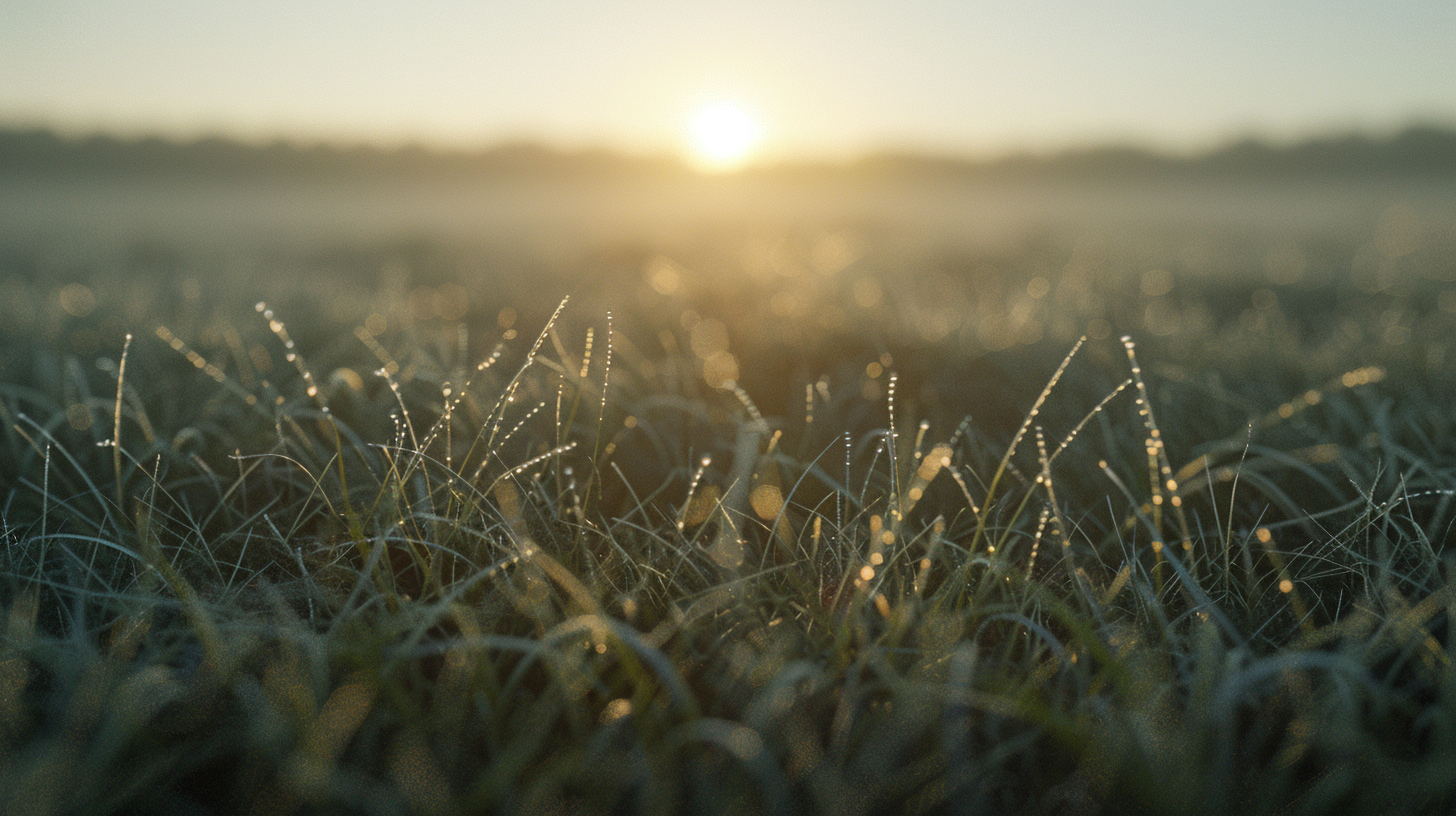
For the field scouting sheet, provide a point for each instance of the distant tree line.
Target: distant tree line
(1417, 151)
(39, 152)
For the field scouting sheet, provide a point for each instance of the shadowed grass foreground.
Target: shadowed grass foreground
(579, 575)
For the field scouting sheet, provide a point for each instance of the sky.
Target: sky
(818, 79)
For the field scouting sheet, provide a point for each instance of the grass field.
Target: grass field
(789, 515)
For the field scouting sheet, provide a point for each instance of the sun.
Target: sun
(723, 136)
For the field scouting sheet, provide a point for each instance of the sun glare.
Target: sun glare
(722, 137)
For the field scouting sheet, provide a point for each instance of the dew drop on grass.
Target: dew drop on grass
(882, 605)
(616, 710)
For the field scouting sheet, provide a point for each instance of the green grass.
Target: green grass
(457, 558)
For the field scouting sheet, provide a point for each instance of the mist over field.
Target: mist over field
(194, 191)
(922, 251)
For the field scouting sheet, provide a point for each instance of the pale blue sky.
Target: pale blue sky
(822, 78)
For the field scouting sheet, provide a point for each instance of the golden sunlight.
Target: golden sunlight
(722, 136)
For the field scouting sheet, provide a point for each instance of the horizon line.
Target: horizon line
(1125, 153)
(1148, 147)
